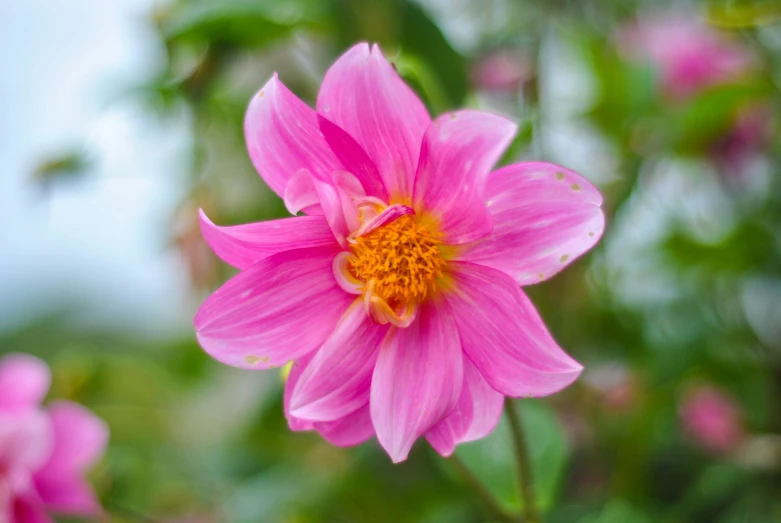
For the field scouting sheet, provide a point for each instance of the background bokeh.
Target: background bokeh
(119, 119)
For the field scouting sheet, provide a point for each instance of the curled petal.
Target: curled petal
(362, 94)
(24, 381)
(277, 310)
(475, 416)
(503, 335)
(388, 215)
(382, 313)
(283, 136)
(244, 245)
(336, 381)
(417, 380)
(544, 216)
(343, 276)
(300, 194)
(459, 150)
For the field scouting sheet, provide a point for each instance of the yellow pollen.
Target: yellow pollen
(403, 258)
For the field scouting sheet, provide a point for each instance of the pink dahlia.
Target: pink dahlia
(43, 453)
(397, 293)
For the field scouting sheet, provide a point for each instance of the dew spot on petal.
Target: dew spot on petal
(541, 276)
(326, 108)
(564, 258)
(575, 187)
(252, 360)
(559, 176)
(591, 234)
(453, 116)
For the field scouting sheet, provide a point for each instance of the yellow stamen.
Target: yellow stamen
(403, 259)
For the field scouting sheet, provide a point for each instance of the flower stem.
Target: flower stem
(530, 512)
(482, 492)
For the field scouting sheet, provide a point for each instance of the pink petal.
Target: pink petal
(351, 430)
(331, 203)
(244, 245)
(545, 216)
(296, 424)
(68, 495)
(336, 382)
(362, 94)
(301, 195)
(80, 439)
(477, 413)
(26, 440)
(283, 136)
(24, 380)
(354, 158)
(338, 203)
(417, 380)
(28, 509)
(504, 336)
(349, 188)
(459, 150)
(276, 311)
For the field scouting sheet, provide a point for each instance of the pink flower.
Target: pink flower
(43, 453)
(689, 55)
(712, 419)
(397, 295)
(502, 71)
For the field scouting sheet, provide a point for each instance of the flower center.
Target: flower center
(403, 260)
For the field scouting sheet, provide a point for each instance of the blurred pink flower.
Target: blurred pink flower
(43, 452)
(746, 140)
(712, 418)
(501, 71)
(397, 294)
(688, 55)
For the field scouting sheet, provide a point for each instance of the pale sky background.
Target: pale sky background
(101, 243)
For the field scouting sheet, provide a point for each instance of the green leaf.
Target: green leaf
(239, 22)
(422, 37)
(424, 80)
(493, 461)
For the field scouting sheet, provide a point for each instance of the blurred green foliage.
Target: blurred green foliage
(651, 312)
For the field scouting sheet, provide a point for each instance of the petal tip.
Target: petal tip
(205, 222)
